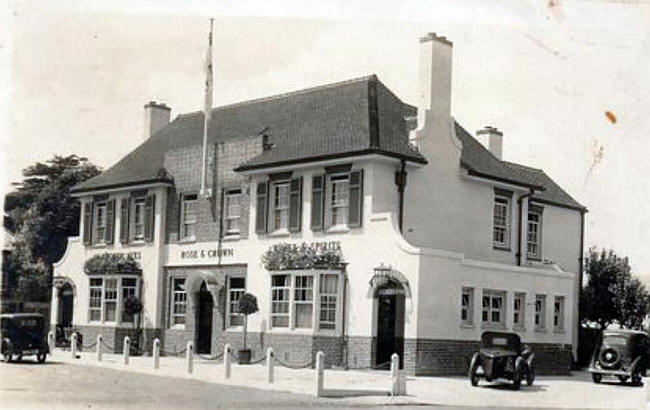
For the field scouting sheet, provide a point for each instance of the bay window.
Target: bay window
(305, 300)
(558, 314)
(107, 296)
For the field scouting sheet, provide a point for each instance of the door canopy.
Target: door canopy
(388, 279)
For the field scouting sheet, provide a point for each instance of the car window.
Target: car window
(500, 341)
(615, 341)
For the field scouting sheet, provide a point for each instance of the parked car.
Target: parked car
(23, 334)
(501, 356)
(621, 353)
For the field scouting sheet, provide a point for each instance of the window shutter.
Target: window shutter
(222, 212)
(356, 199)
(88, 223)
(317, 199)
(261, 210)
(295, 205)
(124, 220)
(149, 217)
(110, 221)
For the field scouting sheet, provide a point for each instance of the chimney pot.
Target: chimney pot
(495, 140)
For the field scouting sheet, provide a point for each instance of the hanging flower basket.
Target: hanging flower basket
(285, 256)
(111, 263)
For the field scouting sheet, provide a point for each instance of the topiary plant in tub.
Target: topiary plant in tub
(247, 305)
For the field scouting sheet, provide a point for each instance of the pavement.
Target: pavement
(371, 388)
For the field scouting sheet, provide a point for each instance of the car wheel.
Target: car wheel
(473, 377)
(516, 379)
(530, 376)
(597, 377)
(623, 379)
(41, 357)
(19, 357)
(636, 379)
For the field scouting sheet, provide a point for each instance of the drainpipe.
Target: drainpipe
(400, 181)
(345, 338)
(521, 218)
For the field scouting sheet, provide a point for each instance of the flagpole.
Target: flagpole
(207, 114)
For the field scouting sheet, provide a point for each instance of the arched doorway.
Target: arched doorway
(204, 305)
(390, 323)
(66, 304)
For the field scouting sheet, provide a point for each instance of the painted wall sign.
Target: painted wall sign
(332, 245)
(207, 253)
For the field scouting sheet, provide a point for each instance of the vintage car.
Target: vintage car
(23, 334)
(621, 353)
(501, 356)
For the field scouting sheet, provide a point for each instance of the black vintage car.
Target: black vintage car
(23, 334)
(621, 353)
(501, 356)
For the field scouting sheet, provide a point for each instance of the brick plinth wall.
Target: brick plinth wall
(113, 337)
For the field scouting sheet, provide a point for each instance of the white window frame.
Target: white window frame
(558, 314)
(534, 235)
(115, 301)
(493, 295)
(232, 219)
(97, 306)
(234, 293)
(467, 294)
(326, 300)
(133, 291)
(175, 313)
(334, 206)
(540, 312)
(97, 226)
(138, 203)
(519, 310)
(279, 209)
(501, 201)
(306, 288)
(189, 225)
(286, 290)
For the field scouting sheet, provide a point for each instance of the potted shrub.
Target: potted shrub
(246, 305)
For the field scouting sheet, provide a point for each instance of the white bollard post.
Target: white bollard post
(269, 364)
(50, 341)
(320, 373)
(646, 384)
(394, 375)
(99, 348)
(73, 345)
(126, 349)
(189, 356)
(156, 353)
(226, 359)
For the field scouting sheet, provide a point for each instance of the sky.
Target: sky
(74, 78)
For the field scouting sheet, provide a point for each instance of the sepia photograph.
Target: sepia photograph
(325, 204)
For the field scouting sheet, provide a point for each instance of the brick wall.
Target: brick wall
(184, 164)
(113, 337)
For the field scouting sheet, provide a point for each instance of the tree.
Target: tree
(611, 294)
(42, 215)
(247, 305)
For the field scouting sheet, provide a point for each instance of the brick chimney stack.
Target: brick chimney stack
(156, 117)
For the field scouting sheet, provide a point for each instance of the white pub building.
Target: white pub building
(364, 226)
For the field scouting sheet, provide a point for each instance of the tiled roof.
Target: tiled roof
(479, 161)
(355, 117)
(317, 123)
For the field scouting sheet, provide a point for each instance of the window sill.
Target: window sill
(235, 329)
(98, 246)
(279, 233)
(519, 329)
(467, 326)
(338, 229)
(138, 243)
(187, 240)
(177, 327)
(501, 248)
(533, 258)
(559, 331)
(541, 330)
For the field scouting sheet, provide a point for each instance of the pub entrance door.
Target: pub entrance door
(390, 325)
(204, 320)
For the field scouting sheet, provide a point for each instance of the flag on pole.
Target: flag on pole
(208, 77)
